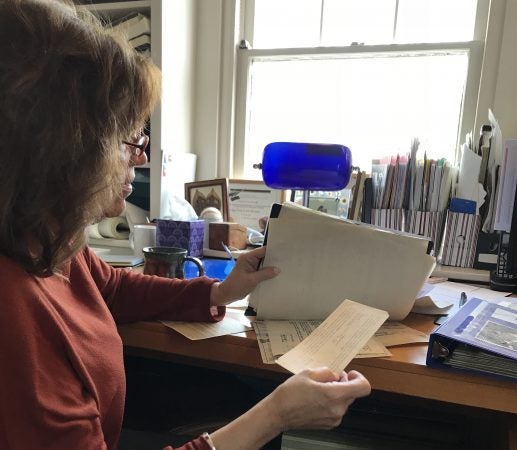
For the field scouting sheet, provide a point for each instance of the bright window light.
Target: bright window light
(375, 106)
(310, 23)
(368, 74)
(348, 21)
(435, 20)
(287, 23)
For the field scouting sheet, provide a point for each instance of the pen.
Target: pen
(463, 299)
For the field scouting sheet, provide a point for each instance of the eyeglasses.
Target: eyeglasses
(138, 147)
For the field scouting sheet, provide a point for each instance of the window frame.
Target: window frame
(480, 75)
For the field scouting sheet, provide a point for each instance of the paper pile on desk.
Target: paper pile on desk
(277, 337)
(324, 259)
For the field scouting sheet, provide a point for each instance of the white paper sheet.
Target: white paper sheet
(441, 297)
(506, 189)
(468, 186)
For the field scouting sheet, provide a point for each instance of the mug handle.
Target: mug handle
(197, 262)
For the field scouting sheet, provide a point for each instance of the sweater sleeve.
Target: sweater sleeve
(132, 296)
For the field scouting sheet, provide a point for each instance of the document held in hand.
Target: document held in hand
(324, 259)
(337, 340)
(481, 337)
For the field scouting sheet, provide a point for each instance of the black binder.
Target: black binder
(480, 338)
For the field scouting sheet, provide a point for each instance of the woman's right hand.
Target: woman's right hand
(316, 398)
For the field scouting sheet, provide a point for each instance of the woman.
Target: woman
(71, 98)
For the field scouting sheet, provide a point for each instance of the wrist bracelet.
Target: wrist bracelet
(208, 440)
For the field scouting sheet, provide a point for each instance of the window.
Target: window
(368, 74)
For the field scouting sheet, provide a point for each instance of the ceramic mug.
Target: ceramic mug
(168, 262)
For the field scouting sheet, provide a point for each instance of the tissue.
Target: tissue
(176, 208)
(183, 234)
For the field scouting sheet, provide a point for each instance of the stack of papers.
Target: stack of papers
(277, 337)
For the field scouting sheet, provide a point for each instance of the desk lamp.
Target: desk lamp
(307, 167)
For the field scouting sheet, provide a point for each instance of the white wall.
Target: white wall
(505, 99)
(178, 31)
(207, 81)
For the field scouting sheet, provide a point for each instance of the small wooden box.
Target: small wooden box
(232, 234)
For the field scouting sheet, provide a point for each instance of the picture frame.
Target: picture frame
(250, 202)
(208, 193)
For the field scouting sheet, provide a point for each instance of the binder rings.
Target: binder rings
(480, 338)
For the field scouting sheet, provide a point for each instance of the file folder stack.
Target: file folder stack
(411, 194)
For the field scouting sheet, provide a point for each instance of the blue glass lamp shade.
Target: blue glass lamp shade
(302, 166)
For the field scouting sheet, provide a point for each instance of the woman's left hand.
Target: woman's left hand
(242, 279)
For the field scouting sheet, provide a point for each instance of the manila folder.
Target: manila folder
(324, 259)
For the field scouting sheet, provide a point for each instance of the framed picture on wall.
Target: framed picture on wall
(250, 202)
(208, 193)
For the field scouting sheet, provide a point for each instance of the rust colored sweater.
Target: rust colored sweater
(62, 383)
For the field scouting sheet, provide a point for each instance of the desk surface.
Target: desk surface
(404, 373)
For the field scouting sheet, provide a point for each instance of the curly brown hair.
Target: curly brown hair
(70, 92)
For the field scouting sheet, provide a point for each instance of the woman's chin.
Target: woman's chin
(117, 208)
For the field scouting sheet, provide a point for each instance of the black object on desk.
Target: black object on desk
(504, 277)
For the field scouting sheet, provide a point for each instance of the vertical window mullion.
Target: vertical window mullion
(395, 16)
(247, 17)
(242, 92)
(321, 21)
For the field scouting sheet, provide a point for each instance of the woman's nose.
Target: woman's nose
(139, 160)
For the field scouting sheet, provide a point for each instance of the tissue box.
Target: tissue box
(183, 234)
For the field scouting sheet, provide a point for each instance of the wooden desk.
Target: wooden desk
(403, 373)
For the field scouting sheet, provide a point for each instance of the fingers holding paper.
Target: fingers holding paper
(243, 278)
(318, 398)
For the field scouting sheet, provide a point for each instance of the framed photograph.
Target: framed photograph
(250, 202)
(208, 193)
